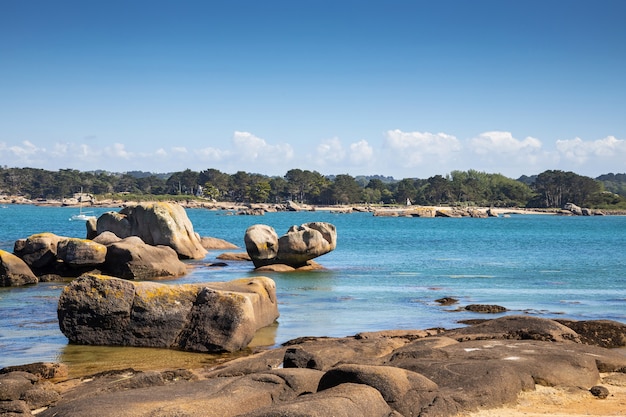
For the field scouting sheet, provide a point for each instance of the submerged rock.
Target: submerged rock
(485, 308)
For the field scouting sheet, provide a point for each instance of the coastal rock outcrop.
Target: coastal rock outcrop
(295, 248)
(81, 252)
(131, 258)
(209, 317)
(14, 271)
(377, 374)
(39, 250)
(22, 392)
(156, 224)
(573, 208)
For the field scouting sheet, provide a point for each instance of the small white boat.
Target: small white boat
(82, 216)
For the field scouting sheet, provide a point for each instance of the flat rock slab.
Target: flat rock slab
(386, 374)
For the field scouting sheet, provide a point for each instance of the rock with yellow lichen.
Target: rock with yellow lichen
(207, 317)
(38, 250)
(81, 252)
(14, 271)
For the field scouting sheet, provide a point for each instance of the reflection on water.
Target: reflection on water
(83, 360)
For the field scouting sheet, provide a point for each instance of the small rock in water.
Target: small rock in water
(447, 301)
(484, 308)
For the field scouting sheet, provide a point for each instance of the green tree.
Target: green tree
(260, 191)
(406, 191)
(345, 190)
(437, 190)
(278, 190)
(217, 181)
(555, 188)
(240, 186)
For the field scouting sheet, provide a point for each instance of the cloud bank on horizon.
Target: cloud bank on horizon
(399, 154)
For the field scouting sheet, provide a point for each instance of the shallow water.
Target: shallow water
(386, 273)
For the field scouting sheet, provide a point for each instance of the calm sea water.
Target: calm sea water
(386, 273)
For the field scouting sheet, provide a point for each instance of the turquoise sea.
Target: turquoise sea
(385, 273)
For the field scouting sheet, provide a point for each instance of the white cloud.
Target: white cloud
(179, 150)
(414, 148)
(401, 154)
(579, 151)
(504, 153)
(330, 151)
(118, 150)
(361, 152)
(26, 154)
(496, 142)
(251, 148)
(26, 150)
(212, 154)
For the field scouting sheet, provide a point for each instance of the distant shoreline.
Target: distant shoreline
(386, 210)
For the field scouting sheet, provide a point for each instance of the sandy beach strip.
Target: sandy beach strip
(565, 402)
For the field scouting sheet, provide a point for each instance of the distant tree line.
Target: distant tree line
(550, 189)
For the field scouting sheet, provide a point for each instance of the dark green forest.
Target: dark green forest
(550, 189)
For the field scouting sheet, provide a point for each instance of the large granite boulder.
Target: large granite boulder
(208, 317)
(81, 252)
(39, 250)
(261, 244)
(295, 248)
(131, 258)
(308, 241)
(14, 271)
(156, 224)
(113, 222)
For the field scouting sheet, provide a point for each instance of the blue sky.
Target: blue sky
(399, 88)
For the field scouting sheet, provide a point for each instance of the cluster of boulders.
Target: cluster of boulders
(207, 317)
(570, 209)
(426, 211)
(150, 240)
(378, 374)
(143, 241)
(27, 388)
(295, 249)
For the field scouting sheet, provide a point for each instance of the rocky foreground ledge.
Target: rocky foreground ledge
(382, 374)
